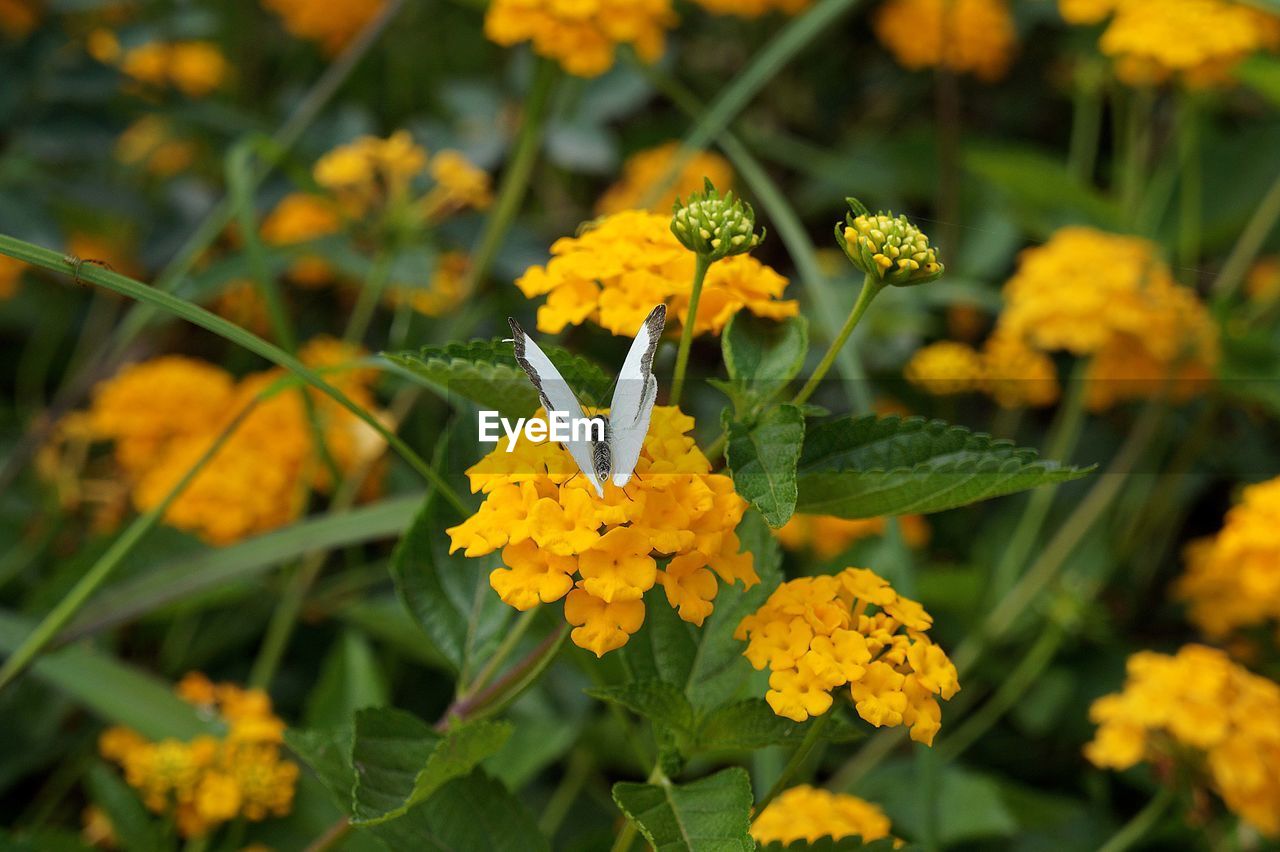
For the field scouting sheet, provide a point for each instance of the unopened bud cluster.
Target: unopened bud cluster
(715, 226)
(889, 248)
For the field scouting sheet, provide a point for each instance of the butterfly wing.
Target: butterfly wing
(634, 397)
(555, 394)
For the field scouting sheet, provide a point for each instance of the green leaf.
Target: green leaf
(710, 815)
(474, 812)
(350, 680)
(1262, 74)
(135, 830)
(448, 595)
(486, 373)
(864, 467)
(752, 724)
(1040, 186)
(328, 753)
(762, 352)
(116, 692)
(400, 761)
(661, 702)
(762, 458)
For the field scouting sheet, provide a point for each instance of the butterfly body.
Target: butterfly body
(612, 459)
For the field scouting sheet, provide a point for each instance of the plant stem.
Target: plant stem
(1086, 123)
(566, 792)
(101, 570)
(509, 643)
(515, 180)
(508, 687)
(870, 289)
(811, 739)
(197, 315)
(367, 301)
(1135, 829)
(1248, 244)
(701, 265)
(1190, 190)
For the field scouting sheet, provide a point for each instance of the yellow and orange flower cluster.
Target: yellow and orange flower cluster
(805, 813)
(331, 24)
(372, 172)
(1093, 294)
(815, 634)
(303, 217)
(551, 526)
(153, 144)
(195, 68)
(645, 169)
(1263, 282)
(442, 294)
(752, 9)
(827, 536)
(1198, 700)
(210, 780)
(967, 36)
(1232, 579)
(1195, 42)
(582, 35)
(624, 264)
(164, 414)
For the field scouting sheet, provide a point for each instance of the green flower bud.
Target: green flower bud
(887, 247)
(714, 226)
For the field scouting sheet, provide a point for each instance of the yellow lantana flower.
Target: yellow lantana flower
(582, 35)
(753, 9)
(673, 525)
(301, 217)
(624, 264)
(645, 169)
(815, 634)
(196, 68)
(332, 24)
(827, 536)
(805, 813)
(1198, 700)
(444, 291)
(968, 36)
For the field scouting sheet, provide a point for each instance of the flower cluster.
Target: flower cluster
(164, 414)
(442, 294)
(152, 143)
(211, 780)
(241, 301)
(303, 217)
(10, 275)
(372, 173)
(1006, 368)
(1196, 42)
(827, 536)
(622, 265)
(550, 526)
(1198, 700)
(891, 249)
(331, 24)
(1263, 282)
(715, 226)
(805, 813)
(1232, 579)
(753, 8)
(195, 68)
(968, 36)
(582, 35)
(644, 170)
(18, 18)
(815, 634)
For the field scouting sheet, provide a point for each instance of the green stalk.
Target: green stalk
(370, 295)
(509, 643)
(701, 265)
(54, 262)
(510, 686)
(870, 289)
(1191, 186)
(1136, 829)
(1086, 124)
(811, 739)
(101, 571)
(1137, 141)
(515, 180)
(1248, 244)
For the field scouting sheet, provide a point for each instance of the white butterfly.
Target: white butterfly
(633, 398)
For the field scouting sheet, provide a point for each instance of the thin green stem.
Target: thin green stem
(1191, 185)
(1137, 142)
(1249, 244)
(700, 267)
(54, 262)
(101, 571)
(509, 643)
(507, 688)
(870, 289)
(370, 296)
(1086, 124)
(566, 793)
(1143, 821)
(515, 180)
(811, 739)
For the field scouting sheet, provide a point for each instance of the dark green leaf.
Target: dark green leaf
(864, 467)
(400, 761)
(328, 754)
(135, 829)
(710, 815)
(762, 352)
(762, 458)
(1262, 74)
(752, 724)
(350, 680)
(656, 700)
(1039, 184)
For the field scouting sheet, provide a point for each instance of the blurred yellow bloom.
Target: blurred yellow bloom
(1016, 375)
(1196, 42)
(164, 414)
(828, 537)
(210, 781)
(752, 9)
(968, 36)
(19, 17)
(371, 170)
(624, 264)
(10, 275)
(459, 183)
(581, 35)
(1232, 580)
(1263, 281)
(97, 830)
(805, 813)
(815, 634)
(331, 24)
(196, 68)
(1216, 719)
(102, 45)
(550, 525)
(645, 169)
(242, 303)
(442, 294)
(946, 368)
(301, 217)
(150, 142)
